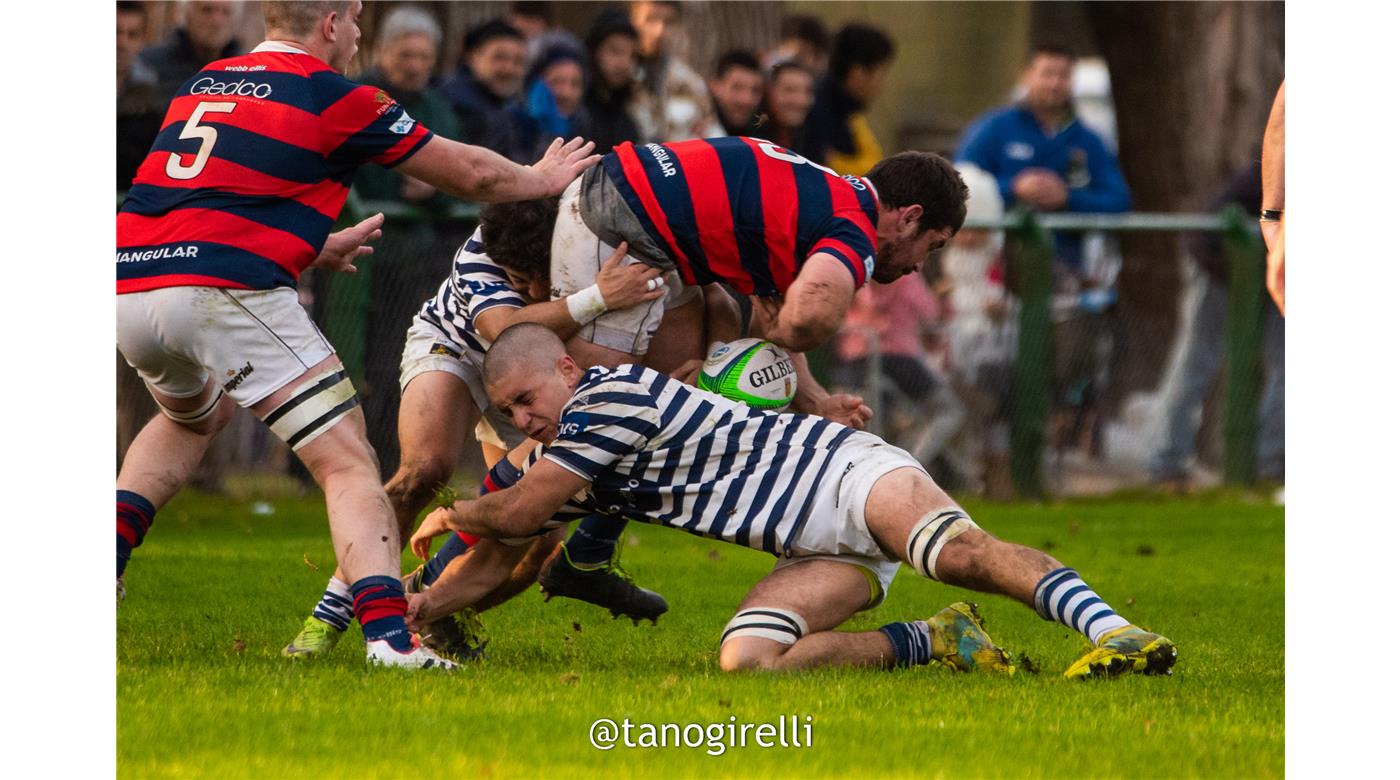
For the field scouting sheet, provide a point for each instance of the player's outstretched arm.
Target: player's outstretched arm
(479, 174)
(814, 306)
(517, 511)
(619, 287)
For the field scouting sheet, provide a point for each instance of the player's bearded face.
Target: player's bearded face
(347, 40)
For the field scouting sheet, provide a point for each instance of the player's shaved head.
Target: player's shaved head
(530, 378)
(525, 346)
(298, 19)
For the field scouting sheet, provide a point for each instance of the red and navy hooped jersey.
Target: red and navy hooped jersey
(250, 170)
(745, 211)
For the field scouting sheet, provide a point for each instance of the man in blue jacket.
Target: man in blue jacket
(1039, 152)
(1043, 157)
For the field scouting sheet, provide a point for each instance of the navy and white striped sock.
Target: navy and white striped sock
(912, 643)
(336, 608)
(1062, 596)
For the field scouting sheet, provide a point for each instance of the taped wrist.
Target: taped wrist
(586, 304)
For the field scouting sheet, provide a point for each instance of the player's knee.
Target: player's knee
(419, 477)
(965, 557)
(757, 638)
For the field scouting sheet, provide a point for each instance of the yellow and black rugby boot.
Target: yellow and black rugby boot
(1124, 650)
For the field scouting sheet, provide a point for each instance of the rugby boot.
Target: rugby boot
(607, 586)
(315, 639)
(413, 581)
(381, 653)
(1124, 650)
(459, 637)
(960, 642)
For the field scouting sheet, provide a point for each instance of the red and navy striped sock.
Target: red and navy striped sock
(134, 517)
(380, 607)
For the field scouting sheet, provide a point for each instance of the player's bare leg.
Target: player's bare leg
(434, 417)
(160, 461)
(679, 338)
(363, 531)
(165, 453)
(786, 622)
(915, 521)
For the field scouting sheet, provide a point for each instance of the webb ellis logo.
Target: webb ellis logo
(236, 377)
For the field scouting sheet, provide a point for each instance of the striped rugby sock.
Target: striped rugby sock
(380, 607)
(1063, 597)
(912, 643)
(336, 607)
(134, 517)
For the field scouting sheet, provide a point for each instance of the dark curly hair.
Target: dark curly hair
(926, 179)
(518, 234)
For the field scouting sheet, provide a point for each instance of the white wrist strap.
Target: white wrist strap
(586, 304)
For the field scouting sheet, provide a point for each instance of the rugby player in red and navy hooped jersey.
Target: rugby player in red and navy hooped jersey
(236, 198)
(770, 224)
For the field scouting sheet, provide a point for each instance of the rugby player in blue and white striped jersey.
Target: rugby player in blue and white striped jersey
(443, 399)
(840, 508)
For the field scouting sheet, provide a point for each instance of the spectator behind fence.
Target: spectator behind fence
(786, 105)
(486, 92)
(672, 103)
(612, 62)
(982, 334)
(1198, 360)
(802, 39)
(404, 57)
(1045, 159)
(205, 36)
(837, 134)
(737, 91)
(535, 21)
(555, 96)
(140, 103)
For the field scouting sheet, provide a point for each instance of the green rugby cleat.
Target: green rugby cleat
(1123, 650)
(960, 642)
(459, 637)
(316, 639)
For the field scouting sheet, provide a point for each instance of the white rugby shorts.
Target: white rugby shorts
(576, 256)
(253, 342)
(429, 349)
(835, 528)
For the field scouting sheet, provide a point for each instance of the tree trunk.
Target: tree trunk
(1192, 87)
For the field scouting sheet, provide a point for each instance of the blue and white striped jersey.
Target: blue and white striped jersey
(659, 450)
(476, 284)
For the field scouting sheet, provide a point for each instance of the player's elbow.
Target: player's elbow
(802, 335)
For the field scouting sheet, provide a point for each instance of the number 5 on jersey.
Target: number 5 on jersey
(207, 135)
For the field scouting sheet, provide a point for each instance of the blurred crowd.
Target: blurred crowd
(938, 348)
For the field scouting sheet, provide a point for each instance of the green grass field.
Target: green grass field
(217, 590)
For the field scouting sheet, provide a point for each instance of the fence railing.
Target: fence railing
(1029, 233)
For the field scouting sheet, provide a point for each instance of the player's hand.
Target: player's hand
(689, 371)
(342, 247)
(434, 525)
(418, 613)
(625, 286)
(845, 409)
(564, 162)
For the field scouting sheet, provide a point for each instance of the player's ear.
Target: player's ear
(909, 217)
